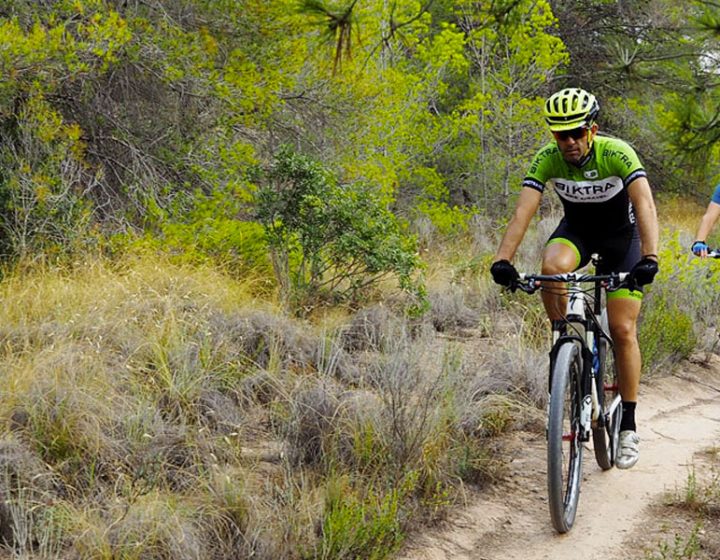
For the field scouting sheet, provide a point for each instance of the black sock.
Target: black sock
(628, 416)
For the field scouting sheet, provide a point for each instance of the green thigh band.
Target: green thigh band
(625, 293)
(622, 293)
(567, 243)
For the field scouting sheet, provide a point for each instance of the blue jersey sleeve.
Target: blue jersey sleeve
(716, 195)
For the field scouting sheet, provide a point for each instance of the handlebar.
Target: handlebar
(711, 253)
(530, 283)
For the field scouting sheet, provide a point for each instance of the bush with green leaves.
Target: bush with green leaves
(359, 524)
(329, 239)
(207, 228)
(680, 310)
(44, 184)
(667, 333)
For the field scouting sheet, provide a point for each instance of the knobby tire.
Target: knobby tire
(564, 459)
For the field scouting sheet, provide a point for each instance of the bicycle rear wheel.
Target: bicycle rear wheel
(606, 432)
(564, 452)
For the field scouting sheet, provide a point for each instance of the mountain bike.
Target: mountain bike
(584, 399)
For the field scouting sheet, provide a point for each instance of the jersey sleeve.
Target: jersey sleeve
(541, 167)
(716, 195)
(623, 161)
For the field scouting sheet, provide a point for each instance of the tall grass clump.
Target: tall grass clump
(359, 526)
(394, 440)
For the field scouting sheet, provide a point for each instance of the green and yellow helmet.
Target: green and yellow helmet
(570, 108)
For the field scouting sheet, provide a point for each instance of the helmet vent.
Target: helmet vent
(570, 108)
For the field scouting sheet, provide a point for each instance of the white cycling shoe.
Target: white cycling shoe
(628, 449)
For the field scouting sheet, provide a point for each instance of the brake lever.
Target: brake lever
(528, 286)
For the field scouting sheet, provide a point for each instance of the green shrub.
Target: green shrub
(475, 461)
(666, 332)
(44, 208)
(207, 228)
(680, 548)
(359, 526)
(680, 307)
(329, 238)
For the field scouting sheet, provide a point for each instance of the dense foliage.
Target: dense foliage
(141, 118)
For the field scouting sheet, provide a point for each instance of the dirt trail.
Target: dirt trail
(677, 417)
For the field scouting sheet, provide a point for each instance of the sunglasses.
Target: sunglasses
(575, 133)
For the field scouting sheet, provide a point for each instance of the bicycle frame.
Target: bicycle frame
(584, 316)
(585, 319)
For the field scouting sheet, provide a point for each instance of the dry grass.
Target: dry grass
(685, 523)
(125, 382)
(151, 410)
(682, 214)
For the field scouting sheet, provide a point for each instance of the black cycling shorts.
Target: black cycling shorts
(618, 253)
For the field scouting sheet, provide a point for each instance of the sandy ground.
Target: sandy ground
(678, 416)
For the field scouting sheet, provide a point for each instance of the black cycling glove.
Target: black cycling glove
(504, 273)
(643, 272)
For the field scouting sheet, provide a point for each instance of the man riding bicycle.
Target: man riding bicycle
(608, 210)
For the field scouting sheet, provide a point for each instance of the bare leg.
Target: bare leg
(622, 318)
(557, 259)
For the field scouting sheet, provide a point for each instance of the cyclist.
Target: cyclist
(609, 210)
(708, 221)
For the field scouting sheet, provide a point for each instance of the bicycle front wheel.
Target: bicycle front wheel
(564, 450)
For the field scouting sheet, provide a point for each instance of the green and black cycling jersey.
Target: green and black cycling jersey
(594, 194)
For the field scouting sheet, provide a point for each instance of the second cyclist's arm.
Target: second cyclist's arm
(708, 221)
(646, 214)
(527, 205)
